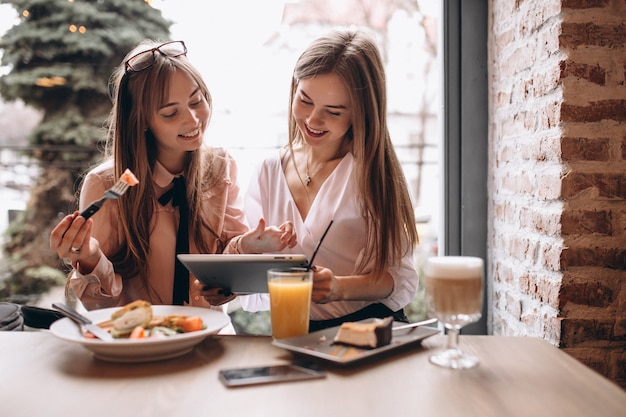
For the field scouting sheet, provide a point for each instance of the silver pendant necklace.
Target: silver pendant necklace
(309, 177)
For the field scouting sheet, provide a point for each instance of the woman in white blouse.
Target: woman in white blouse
(340, 165)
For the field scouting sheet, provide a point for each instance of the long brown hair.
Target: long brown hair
(136, 97)
(353, 55)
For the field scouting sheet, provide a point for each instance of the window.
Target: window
(249, 77)
(436, 59)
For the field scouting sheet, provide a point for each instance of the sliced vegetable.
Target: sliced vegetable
(189, 323)
(162, 331)
(138, 333)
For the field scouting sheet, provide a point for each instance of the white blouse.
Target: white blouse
(268, 196)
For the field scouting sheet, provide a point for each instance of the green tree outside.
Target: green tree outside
(60, 58)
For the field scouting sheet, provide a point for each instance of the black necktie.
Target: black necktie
(178, 196)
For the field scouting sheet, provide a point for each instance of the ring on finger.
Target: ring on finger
(75, 250)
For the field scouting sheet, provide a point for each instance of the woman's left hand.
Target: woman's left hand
(269, 239)
(325, 285)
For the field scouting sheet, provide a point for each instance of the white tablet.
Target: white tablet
(241, 274)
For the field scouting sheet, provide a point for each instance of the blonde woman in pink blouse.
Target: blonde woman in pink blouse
(127, 250)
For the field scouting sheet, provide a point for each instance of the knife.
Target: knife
(85, 324)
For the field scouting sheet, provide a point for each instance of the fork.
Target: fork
(116, 191)
(85, 324)
(417, 324)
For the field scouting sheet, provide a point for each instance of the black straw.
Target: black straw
(318, 246)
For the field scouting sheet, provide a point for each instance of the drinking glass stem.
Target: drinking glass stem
(453, 339)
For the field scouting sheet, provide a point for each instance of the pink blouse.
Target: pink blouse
(104, 287)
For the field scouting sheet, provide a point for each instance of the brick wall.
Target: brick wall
(557, 176)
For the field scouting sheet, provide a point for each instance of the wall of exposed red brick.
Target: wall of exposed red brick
(557, 182)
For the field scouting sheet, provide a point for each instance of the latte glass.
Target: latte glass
(454, 295)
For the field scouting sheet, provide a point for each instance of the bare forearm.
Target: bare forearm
(327, 287)
(365, 287)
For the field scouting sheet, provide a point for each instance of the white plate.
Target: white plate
(144, 350)
(320, 344)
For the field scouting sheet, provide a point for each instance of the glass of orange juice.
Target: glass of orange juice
(290, 301)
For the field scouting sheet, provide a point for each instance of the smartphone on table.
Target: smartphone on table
(237, 377)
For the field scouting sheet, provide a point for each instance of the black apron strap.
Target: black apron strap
(377, 310)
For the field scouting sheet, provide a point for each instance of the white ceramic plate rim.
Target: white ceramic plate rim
(213, 320)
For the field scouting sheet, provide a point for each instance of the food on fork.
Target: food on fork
(370, 334)
(125, 181)
(129, 178)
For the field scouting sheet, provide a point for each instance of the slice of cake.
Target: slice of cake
(371, 334)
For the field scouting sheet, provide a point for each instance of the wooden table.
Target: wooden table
(42, 376)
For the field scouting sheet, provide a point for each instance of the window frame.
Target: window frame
(464, 150)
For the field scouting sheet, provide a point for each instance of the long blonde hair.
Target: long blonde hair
(352, 55)
(136, 96)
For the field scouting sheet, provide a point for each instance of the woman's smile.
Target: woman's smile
(191, 135)
(314, 133)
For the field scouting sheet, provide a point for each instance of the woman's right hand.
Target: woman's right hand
(71, 239)
(213, 295)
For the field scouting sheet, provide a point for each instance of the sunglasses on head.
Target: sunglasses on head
(145, 59)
